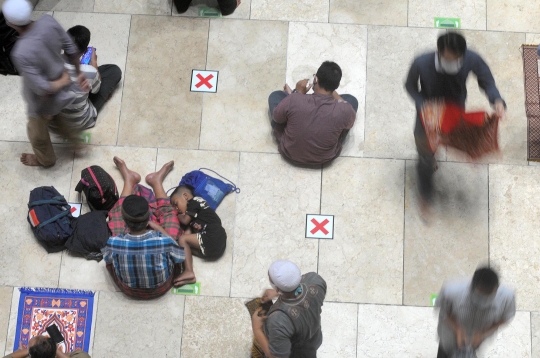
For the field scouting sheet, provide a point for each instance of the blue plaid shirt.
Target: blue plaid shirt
(143, 261)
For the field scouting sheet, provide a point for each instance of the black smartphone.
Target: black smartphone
(55, 334)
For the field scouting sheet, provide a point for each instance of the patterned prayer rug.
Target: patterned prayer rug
(532, 100)
(252, 306)
(71, 310)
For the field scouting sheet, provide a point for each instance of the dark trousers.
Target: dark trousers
(278, 96)
(426, 162)
(110, 76)
(441, 353)
(227, 7)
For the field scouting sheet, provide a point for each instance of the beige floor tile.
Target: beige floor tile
(513, 340)
(339, 327)
(374, 12)
(214, 276)
(396, 331)
(241, 12)
(66, 5)
(128, 328)
(270, 220)
(311, 44)
(513, 15)
(455, 240)
(5, 306)
(390, 113)
(532, 38)
(513, 229)
(236, 117)
(76, 272)
(471, 13)
(216, 327)
(109, 35)
(366, 197)
(13, 109)
(290, 10)
(158, 109)
(535, 333)
(507, 68)
(150, 7)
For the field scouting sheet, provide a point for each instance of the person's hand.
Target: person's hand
(477, 340)
(499, 109)
(257, 320)
(83, 82)
(461, 337)
(154, 226)
(303, 86)
(268, 295)
(93, 59)
(66, 80)
(287, 89)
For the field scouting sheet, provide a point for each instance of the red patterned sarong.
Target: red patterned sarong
(475, 133)
(161, 212)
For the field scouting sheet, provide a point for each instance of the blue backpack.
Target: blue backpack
(211, 189)
(50, 218)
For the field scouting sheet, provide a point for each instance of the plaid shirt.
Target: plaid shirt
(143, 261)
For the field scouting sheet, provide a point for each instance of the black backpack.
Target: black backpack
(8, 37)
(98, 187)
(50, 218)
(90, 235)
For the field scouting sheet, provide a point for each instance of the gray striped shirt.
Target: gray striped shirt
(81, 113)
(455, 299)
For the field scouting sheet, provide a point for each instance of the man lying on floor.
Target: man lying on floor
(142, 256)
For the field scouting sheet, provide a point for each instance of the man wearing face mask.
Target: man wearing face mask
(443, 75)
(472, 310)
(292, 326)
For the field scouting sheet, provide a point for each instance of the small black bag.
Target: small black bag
(98, 187)
(90, 235)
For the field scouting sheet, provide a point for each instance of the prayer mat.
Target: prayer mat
(71, 310)
(532, 100)
(475, 133)
(252, 306)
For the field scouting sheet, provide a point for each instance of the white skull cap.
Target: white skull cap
(17, 12)
(285, 275)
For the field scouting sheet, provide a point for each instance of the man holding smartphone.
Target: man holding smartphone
(37, 57)
(83, 111)
(44, 347)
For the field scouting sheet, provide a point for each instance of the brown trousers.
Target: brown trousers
(37, 129)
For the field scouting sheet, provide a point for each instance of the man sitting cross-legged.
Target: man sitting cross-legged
(142, 256)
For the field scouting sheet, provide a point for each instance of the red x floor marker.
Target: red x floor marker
(204, 80)
(319, 226)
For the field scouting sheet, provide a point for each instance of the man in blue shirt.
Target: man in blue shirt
(443, 75)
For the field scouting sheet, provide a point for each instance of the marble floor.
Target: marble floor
(384, 262)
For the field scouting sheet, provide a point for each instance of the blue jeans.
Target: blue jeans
(278, 96)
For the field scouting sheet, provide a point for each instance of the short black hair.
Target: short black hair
(81, 37)
(44, 348)
(180, 190)
(453, 42)
(485, 279)
(329, 76)
(136, 227)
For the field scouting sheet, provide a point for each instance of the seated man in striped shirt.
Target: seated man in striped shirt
(144, 260)
(82, 113)
(471, 311)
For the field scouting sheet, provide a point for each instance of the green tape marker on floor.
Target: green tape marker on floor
(190, 289)
(447, 23)
(209, 12)
(86, 137)
(433, 299)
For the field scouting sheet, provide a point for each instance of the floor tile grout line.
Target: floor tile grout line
(531, 331)
(234, 225)
(124, 81)
(366, 88)
(203, 95)
(183, 323)
(404, 226)
(320, 213)
(357, 329)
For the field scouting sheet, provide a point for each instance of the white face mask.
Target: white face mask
(450, 67)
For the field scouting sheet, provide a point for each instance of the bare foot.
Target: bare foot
(127, 174)
(159, 176)
(30, 160)
(185, 278)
